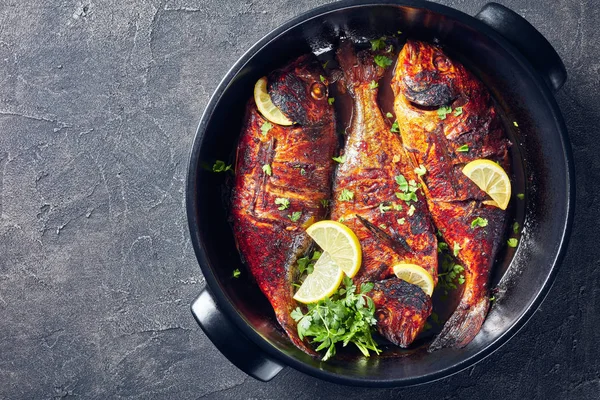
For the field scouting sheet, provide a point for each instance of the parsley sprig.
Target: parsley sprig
(408, 189)
(346, 316)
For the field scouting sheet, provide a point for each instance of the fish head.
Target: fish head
(428, 77)
(300, 91)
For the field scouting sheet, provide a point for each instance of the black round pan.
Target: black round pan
(521, 70)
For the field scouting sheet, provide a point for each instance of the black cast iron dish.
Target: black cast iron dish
(522, 71)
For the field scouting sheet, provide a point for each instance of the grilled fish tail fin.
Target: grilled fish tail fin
(358, 68)
(463, 325)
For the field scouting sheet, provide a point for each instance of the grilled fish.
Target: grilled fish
(424, 81)
(286, 162)
(390, 230)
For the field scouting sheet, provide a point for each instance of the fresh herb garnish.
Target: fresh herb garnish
(408, 188)
(463, 149)
(383, 226)
(267, 169)
(377, 44)
(401, 181)
(442, 246)
(265, 127)
(325, 203)
(457, 111)
(516, 227)
(283, 203)
(383, 208)
(411, 210)
(331, 100)
(512, 242)
(373, 85)
(295, 216)
(347, 317)
(307, 264)
(456, 249)
(520, 196)
(401, 221)
(325, 64)
(382, 61)
(443, 111)
(451, 274)
(220, 166)
(322, 78)
(236, 273)
(420, 170)
(395, 128)
(340, 159)
(397, 207)
(515, 124)
(302, 171)
(479, 222)
(389, 115)
(346, 195)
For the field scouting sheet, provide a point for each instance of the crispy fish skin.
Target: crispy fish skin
(374, 157)
(300, 157)
(425, 79)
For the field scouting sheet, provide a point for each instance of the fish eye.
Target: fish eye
(318, 91)
(441, 63)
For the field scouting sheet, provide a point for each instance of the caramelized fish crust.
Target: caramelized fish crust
(299, 156)
(389, 230)
(426, 79)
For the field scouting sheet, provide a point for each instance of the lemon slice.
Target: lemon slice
(322, 283)
(492, 179)
(416, 275)
(266, 106)
(340, 242)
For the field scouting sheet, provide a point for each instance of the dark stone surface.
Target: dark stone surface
(99, 101)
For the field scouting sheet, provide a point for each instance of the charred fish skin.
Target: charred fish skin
(425, 80)
(364, 198)
(286, 162)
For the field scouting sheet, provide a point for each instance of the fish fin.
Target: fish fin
(359, 68)
(463, 325)
(398, 244)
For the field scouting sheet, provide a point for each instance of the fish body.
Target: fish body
(284, 162)
(390, 230)
(447, 119)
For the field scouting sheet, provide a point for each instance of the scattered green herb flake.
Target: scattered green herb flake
(346, 195)
(341, 219)
(479, 222)
(420, 170)
(325, 64)
(389, 115)
(399, 32)
(267, 169)
(457, 111)
(401, 221)
(512, 242)
(348, 316)
(516, 227)
(378, 44)
(373, 85)
(515, 124)
(383, 226)
(340, 159)
(443, 111)
(461, 279)
(493, 298)
(382, 61)
(302, 171)
(331, 100)
(219, 166)
(283, 203)
(442, 246)
(520, 196)
(401, 181)
(411, 210)
(325, 203)
(397, 207)
(265, 127)
(395, 128)
(236, 273)
(456, 249)
(295, 216)
(390, 48)
(463, 149)
(383, 208)
(322, 78)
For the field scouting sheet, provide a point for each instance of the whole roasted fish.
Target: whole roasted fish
(282, 176)
(390, 229)
(447, 119)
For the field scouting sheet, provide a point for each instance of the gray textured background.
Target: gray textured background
(99, 101)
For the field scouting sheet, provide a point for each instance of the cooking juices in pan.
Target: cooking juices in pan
(449, 289)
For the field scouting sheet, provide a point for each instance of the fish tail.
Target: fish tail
(359, 68)
(463, 325)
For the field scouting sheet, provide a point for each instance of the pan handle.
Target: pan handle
(231, 341)
(528, 40)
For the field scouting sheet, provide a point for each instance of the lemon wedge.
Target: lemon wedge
(416, 275)
(339, 242)
(323, 282)
(492, 179)
(265, 105)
